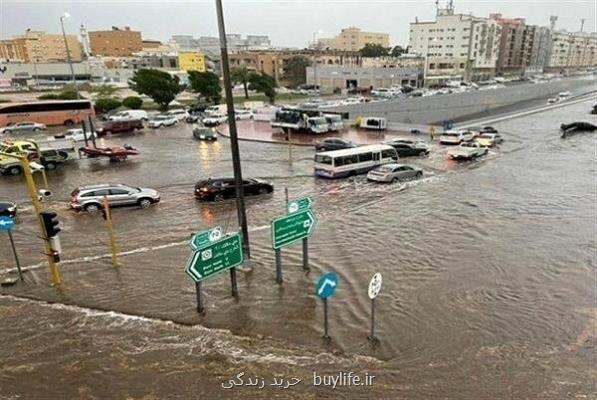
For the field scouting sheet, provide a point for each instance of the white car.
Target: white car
(467, 151)
(564, 95)
(129, 114)
(76, 134)
(456, 137)
(243, 114)
(179, 114)
(489, 139)
(214, 120)
(21, 127)
(162, 120)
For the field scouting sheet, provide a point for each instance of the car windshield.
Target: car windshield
(451, 134)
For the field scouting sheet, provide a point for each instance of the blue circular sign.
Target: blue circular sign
(326, 285)
(6, 223)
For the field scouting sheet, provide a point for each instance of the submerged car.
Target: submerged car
(214, 120)
(330, 144)
(488, 129)
(489, 139)
(409, 147)
(204, 133)
(22, 127)
(8, 209)
(455, 137)
(162, 120)
(76, 134)
(393, 173)
(91, 198)
(467, 151)
(220, 189)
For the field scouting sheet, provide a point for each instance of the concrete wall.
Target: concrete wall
(424, 110)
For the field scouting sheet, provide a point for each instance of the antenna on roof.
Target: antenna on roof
(552, 22)
(582, 24)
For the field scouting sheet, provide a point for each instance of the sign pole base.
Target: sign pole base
(233, 282)
(306, 255)
(14, 252)
(371, 336)
(325, 320)
(200, 308)
(279, 279)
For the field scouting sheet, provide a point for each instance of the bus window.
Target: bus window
(376, 156)
(364, 157)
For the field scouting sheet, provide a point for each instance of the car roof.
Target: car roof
(391, 165)
(100, 186)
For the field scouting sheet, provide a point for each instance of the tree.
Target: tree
(160, 86)
(373, 50)
(106, 104)
(207, 84)
(397, 51)
(132, 102)
(263, 83)
(295, 70)
(241, 75)
(105, 90)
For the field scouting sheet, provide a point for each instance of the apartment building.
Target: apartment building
(354, 39)
(511, 57)
(536, 47)
(456, 47)
(40, 47)
(116, 42)
(572, 50)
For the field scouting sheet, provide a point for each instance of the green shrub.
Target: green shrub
(68, 94)
(106, 104)
(48, 96)
(4, 101)
(133, 102)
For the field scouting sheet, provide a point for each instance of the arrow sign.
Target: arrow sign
(326, 285)
(6, 223)
(374, 286)
(215, 257)
(204, 238)
(290, 228)
(301, 204)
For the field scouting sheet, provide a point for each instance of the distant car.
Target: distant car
(179, 114)
(455, 137)
(90, 198)
(488, 129)
(160, 121)
(394, 173)
(330, 144)
(563, 95)
(489, 139)
(129, 114)
(76, 134)
(409, 147)
(204, 133)
(124, 126)
(194, 117)
(8, 209)
(214, 120)
(467, 151)
(243, 114)
(553, 100)
(221, 189)
(22, 127)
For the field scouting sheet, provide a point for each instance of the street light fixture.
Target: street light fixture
(68, 57)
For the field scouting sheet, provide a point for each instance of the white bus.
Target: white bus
(358, 160)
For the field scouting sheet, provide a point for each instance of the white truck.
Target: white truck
(467, 151)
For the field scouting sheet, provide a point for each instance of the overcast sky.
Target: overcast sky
(287, 22)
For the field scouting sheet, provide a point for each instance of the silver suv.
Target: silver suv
(91, 198)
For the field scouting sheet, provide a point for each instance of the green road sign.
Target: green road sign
(290, 228)
(302, 204)
(215, 257)
(203, 238)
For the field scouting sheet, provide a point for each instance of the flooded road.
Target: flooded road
(488, 292)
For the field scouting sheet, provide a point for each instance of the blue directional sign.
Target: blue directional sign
(326, 285)
(6, 223)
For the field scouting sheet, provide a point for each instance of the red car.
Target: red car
(129, 125)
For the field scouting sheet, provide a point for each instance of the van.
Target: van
(374, 123)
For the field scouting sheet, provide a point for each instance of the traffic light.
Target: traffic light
(50, 223)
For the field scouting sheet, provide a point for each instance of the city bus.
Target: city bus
(358, 160)
(53, 112)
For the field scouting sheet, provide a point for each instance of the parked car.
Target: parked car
(204, 133)
(179, 114)
(455, 137)
(394, 173)
(22, 127)
(489, 139)
(162, 120)
(129, 114)
(8, 209)
(124, 126)
(243, 113)
(330, 144)
(409, 147)
(223, 188)
(90, 198)
(373, 123)
(214, 120)
(76, 134)
(488, 129)
(467, 151)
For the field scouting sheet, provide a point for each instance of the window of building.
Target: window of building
(432, 66)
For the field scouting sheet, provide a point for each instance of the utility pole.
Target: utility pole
(238, 178)
(68, 58)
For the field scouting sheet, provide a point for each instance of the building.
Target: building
(353, 39)
(211, 44)
(456, 46)
(40, 47)
(116, 42)
(45, 74)
(572, 50)
(150, 44)
(258, 41)
(336, 78)
(536, 48)
(191, 61)
(511, 57)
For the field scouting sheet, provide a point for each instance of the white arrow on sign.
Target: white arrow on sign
(326, 283)
(374, 285)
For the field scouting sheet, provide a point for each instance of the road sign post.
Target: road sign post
(200, 308)
(374, 288)
(326, 287)
(279, 279)
(107, 213)
(6, 224)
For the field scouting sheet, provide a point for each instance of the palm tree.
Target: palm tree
(241, 75)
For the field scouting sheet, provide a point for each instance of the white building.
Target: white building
(573, 50)
(456, 46)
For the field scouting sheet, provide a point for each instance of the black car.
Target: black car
(409, 148)
(488, 129)
(330, 144)
(223, 188)
(8, 209)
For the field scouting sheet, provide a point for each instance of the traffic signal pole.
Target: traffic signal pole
(54, 269)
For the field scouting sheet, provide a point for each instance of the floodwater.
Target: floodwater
(488, 278)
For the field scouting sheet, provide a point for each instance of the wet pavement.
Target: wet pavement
(489, 278)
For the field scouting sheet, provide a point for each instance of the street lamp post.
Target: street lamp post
(315, 48)
(68, 57)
